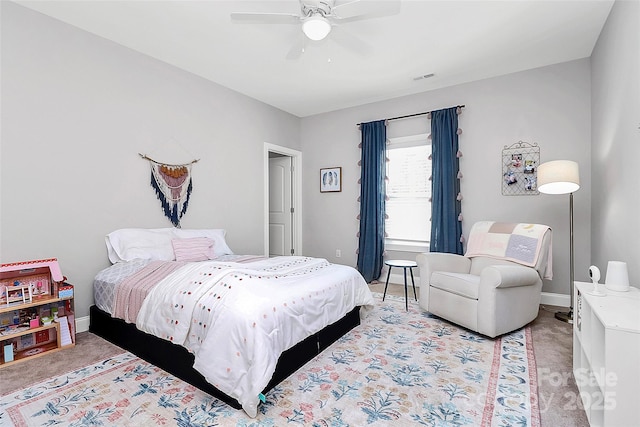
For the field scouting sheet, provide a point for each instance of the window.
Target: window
(408, 208)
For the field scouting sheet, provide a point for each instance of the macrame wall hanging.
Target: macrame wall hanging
(173, 186)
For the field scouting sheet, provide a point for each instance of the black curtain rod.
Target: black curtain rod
(411, 115)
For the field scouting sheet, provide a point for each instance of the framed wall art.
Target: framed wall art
(520, 169)
(330, 180)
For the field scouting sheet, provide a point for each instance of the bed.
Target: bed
(231, 325)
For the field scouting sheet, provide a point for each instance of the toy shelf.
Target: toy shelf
(21, 342)
(36, 311)
(29, 331)
(23, 355)
(34, 303)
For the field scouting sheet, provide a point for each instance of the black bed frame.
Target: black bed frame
(178, 361)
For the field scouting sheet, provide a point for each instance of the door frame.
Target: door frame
(296, 182)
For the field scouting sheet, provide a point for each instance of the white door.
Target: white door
(280, 207)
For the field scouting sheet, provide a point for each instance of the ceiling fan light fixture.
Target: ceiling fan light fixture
(316, 27)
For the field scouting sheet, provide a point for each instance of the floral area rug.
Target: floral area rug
(397, 368)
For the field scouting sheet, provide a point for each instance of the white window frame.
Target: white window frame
(401, 244)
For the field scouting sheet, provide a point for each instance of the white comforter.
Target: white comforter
(237, 319)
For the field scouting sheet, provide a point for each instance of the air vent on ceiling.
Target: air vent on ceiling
(424, 76)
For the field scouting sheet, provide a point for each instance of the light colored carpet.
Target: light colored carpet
(89, 349)
(559, 399)
(558, 395)
(397, 367)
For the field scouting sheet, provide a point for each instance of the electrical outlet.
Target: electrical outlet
(338, 253)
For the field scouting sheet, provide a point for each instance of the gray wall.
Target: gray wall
(77, 110)
(615, 65)
(549, 106)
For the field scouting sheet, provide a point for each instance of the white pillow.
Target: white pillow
(138, 243)
(220, 246)
(152, 244)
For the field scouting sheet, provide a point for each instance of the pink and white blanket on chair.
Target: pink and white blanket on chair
(517, 242)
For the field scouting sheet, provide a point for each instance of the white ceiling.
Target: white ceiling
(459, 41)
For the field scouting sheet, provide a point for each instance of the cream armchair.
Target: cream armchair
(490, 294)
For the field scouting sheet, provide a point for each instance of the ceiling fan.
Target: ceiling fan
(318, 17)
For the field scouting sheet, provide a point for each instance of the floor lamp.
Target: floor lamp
(562, 177)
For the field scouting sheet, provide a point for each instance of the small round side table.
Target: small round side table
(405, 265)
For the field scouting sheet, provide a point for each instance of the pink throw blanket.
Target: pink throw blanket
(521, 243)
(132, 291)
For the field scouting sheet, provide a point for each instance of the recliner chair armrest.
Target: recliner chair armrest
(508, 276)
(429, 262)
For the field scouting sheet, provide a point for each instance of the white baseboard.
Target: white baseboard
(82, 324)
(561, 300)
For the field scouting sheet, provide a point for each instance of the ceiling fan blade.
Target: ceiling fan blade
(349, 41)
(298, 48)
(363, 9)
(266, 18)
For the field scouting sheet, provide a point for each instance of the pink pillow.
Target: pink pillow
(193, 249)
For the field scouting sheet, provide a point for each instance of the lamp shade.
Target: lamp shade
(316, 27)
(558, 177)
(617, 276)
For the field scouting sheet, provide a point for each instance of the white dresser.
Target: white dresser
(606, 355)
